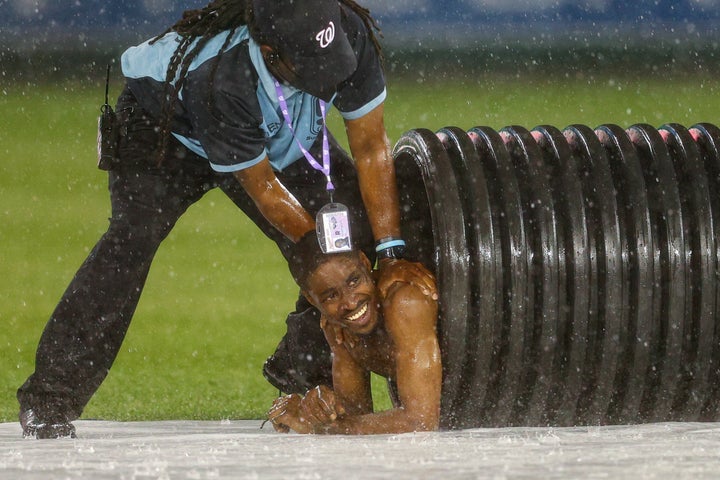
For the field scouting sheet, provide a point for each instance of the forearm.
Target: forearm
(280, 207)
(376, 176)
(370, 148)
(397, 420)
(287, 215)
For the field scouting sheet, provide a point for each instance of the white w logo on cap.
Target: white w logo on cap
(325, 37)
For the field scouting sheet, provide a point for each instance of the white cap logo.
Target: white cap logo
(325, 37)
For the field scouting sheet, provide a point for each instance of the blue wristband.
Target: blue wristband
(390, 248)
(389, 244)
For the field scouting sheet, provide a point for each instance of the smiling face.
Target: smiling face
(343, 290)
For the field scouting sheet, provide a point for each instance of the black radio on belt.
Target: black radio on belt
(108, 132)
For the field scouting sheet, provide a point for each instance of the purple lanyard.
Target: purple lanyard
(325, 167)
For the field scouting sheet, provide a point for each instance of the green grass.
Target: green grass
(218, 292)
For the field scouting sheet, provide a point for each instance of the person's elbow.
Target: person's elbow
(423, 422)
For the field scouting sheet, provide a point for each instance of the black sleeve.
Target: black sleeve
(368, 81)
(223, 109)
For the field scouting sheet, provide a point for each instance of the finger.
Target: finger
(426, 281)
(327, 402)
(422, 271)
(430, 289)
(339, 408)
(276, 416)
(281, 427)
(277, 409)
(426, 271)
(420, 267)
(311, 413)
(280, 407)
(293, 421)
(281, 400)
(426, 287)
(279, 403)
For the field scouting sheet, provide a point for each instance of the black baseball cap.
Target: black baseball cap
(309, 34)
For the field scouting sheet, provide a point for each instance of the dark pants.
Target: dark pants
(85, 332)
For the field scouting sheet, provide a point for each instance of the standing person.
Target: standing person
(202, 109)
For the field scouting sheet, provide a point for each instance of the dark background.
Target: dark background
(53, 38)
(144, 16)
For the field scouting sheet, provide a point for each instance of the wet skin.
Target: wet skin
(393, 336)
(345, 291)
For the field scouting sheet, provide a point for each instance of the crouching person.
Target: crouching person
(391, 334)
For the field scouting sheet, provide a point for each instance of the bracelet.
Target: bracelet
(388, 242)
(391, 248)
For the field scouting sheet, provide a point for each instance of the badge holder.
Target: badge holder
(333, 228)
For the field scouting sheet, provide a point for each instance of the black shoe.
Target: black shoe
(285, 375)
(278, 371)
(297, 372)
(302, 359)
(55, 427)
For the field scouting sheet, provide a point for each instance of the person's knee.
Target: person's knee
(139, 229)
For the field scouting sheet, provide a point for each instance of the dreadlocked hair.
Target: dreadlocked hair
(202, 25)
(370, 24)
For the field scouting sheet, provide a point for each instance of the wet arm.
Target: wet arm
(274, 201)
(351, 382)
(410, 320)
(371, 151)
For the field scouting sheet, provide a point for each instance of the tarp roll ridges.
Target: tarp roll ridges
(577, 269)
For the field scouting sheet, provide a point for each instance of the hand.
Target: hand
(404, 271)
(310, 414)
(285, 415)
(320, 407)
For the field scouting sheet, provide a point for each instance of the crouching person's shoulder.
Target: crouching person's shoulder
(406, 305)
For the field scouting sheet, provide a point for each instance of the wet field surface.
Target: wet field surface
(242, 450)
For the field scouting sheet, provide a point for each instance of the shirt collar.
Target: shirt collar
(266, 78)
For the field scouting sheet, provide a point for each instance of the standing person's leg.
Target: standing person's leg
(307, 362)
(302, 359)
(84, 333)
